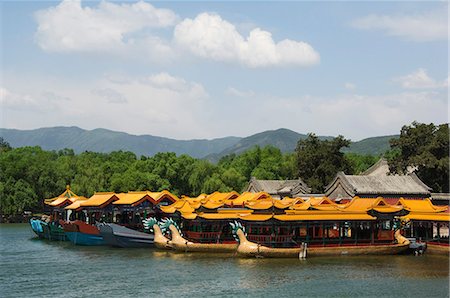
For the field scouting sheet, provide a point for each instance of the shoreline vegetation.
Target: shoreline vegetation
(29, 174)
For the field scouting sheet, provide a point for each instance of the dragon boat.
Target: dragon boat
(247, 248)
(179, 243)
(120, 236)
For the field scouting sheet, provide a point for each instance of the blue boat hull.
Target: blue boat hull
(79, 238)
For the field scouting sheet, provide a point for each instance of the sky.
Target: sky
(189, 70)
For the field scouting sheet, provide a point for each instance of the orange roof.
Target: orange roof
(323, 216)
(421, 205)
(75, 205)
(131, 198)
(61, 200)
(189, 215)
(222, 196)
(66, 196)
(159, 196)
(137, 197)
(212, 205)
(358, 204)
(99, 199)
(172, 208)
(429, 216)
(246, 197)
(260, 205)
(255, 217)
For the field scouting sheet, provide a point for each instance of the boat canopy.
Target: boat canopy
(135, 198)
(260, 207)
(67, 197)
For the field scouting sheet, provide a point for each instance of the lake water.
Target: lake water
(30, 267)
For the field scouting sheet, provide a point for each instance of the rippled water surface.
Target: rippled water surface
(30, 267)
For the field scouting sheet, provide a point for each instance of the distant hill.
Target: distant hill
(103, 140)
(284, 139)
(373, 146)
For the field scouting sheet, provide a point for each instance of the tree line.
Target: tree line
(30, 174)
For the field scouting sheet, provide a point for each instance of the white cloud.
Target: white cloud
(352, 115)
(429, 26)
(111, 95)
(165, 81)
(350, 86)
(108, 27)
(12, 100)
(160, 104)
(209, 36)
(240, 93)
(420, 80)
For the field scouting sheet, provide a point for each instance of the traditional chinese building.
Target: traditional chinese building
(392, 187)
(279, 188)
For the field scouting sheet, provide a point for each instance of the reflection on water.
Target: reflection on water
(32, 267)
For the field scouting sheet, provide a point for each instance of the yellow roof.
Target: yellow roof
(172, 208)
(212, 205)
(219, 215)
(326, 216)
(196, 199)
(246, 197)
(75, 205)
(260, 205)
(182, 206)
(420, 205)
(189, 215)
(221, 196)
(67, 195)
(236, 215)
(130, 198)
(255, 217)
(358, 204)
(158, 196)
(268, 202)
(62, 200)
(305, 205)
(99, 199)
(429, 216)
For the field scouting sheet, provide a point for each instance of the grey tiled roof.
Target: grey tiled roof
(391, 184)
(290, 187)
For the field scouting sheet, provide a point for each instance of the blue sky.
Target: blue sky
(212, 69)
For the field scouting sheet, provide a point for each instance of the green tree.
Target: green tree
(425, 148)
(318, 161)
(359, 162)
(4, 145)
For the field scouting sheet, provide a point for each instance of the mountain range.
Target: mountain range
(103, 140)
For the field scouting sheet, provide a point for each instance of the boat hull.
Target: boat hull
(438, 249)
(251, 249)
(79, 238)
(181, 244)
(81, 233)
(118, 236)
(56, 231)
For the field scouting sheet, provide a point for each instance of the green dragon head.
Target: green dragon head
(235, 227)
(166, 223)
(149, 223)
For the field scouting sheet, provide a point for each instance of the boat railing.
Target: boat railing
(204, 236)
(270, 239)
